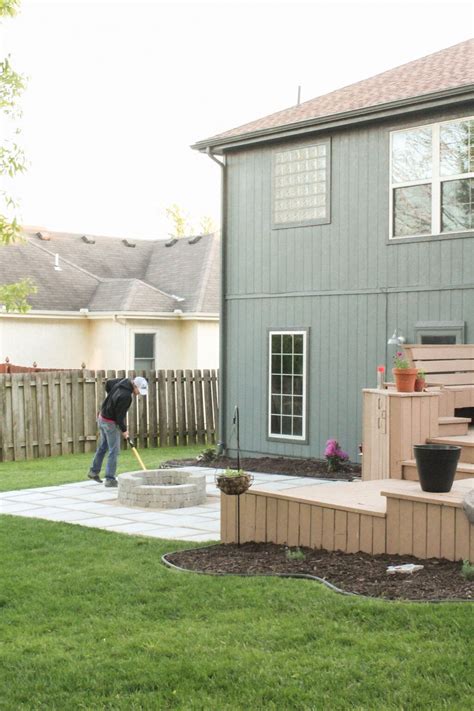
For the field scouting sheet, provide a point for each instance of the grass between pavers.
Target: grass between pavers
(90, 619)
(74, 467)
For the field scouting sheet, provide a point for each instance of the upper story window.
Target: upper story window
(144, 351)
(301, 180)
(432, 179)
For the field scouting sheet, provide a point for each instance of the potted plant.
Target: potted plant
(420, 382)
(404, 375)
(234, 482)
(436, 464)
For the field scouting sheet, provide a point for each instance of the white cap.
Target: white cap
(141, 384)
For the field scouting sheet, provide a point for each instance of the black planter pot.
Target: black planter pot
(436, 464)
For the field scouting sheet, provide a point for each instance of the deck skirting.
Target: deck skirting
(406, 522)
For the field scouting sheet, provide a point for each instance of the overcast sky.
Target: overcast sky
(118, 91)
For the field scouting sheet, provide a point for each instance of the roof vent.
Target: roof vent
(127, 243)
(171, 242)
(45, 236)
(88, 240)
(193, 240)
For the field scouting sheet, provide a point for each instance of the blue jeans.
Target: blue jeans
(109, 439)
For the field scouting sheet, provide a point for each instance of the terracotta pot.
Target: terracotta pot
(405, 379)
(420, 385)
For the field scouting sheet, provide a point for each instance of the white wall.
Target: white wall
(107, 344)
(49, 343)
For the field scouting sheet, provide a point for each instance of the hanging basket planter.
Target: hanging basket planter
(234, 484)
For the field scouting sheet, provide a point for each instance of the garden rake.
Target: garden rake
(134, 450)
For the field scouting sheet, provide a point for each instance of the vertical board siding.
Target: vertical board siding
(52, 413)
(342, 280)
(409, 527)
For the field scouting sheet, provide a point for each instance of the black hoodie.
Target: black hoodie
(118, 400)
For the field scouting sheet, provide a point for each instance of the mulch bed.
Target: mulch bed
(352, 572)
(276, 465)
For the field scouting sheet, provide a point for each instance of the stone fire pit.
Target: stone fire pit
(161, 489)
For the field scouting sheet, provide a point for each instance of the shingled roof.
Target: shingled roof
(110, 274)
(443, 71)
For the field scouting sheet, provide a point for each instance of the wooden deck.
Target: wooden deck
(384, 516)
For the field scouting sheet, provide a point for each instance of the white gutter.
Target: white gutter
(97, 315)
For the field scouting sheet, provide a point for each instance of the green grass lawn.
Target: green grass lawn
(91, 619)
(74, 467)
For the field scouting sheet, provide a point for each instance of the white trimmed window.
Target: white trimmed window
(301, 185)
(144, 351)
(287, 385)
(432, 179)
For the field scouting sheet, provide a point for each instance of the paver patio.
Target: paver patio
(86, 503)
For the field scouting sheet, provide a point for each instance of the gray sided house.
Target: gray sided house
(344, 218)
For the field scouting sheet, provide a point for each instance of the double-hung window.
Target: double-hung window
(432, 179)
(287, 359)
(144, 351)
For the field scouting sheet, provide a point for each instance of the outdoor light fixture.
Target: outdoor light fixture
(397, 339)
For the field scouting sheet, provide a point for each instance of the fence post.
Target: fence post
(3, 423)
(181, 408)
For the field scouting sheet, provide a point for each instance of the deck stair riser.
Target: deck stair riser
(410, 472)
(466, 443)
(449, 426)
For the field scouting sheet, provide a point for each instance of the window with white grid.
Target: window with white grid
(287, 385)
(432, 179)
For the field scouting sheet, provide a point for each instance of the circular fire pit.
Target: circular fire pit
(161, 489)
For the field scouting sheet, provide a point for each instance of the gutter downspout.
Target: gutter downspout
(222, 341)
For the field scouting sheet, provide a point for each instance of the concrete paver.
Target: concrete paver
(87, 503)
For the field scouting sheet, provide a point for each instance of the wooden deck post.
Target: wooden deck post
(392, 423)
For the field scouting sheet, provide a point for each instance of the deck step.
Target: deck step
(453, 426)
(464, 470)
(466, 442)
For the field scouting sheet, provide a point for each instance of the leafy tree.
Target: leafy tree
(12, 161)
(208, 226)
(182, 226)
(179, 220)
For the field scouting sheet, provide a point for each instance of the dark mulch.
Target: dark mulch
(276, 465)
(352, 572)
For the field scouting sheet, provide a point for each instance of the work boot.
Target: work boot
(111, 483)
(95, 477)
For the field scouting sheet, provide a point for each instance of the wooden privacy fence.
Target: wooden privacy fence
(50, 413)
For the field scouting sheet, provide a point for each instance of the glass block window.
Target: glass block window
(144, 351)
(287, 385)
(301, 185)
(432, 179)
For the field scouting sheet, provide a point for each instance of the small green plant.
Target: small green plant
(207, 455)
(467, 570)
(231, 473)
(421, 375)
(297, 554)
(399, 361)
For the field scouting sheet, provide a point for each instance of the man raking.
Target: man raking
(111, 421)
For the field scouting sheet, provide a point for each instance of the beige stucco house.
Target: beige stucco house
(110, 303)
